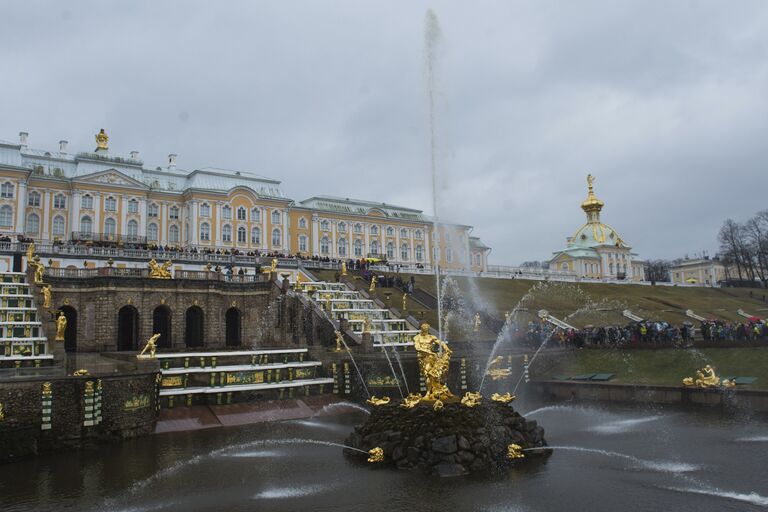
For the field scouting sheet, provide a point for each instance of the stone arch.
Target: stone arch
(128, 328)
(161, 324)
(233, 329)
(194, 332)
(70, 333)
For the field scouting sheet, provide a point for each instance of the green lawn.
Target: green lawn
(663, 366)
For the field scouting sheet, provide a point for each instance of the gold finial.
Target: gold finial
(102, 140)
(592, 205)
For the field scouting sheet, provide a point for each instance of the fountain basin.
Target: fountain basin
(454, 441)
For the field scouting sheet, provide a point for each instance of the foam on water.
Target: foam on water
(328, 409)
(319, 424)
(652, 465)
(752, 497)
(255, 454)
(753, 439)
(290, 492)
(549, 408)
(617, 427)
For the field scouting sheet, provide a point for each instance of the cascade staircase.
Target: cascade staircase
(22, 343)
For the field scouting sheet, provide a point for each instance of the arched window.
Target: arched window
(255, 215)
(34, 199)
(86, 225)
(241, 213)
(152, 232)
(275, 217)
(324, 225)
(133, 229)
(226, 233)
(59, 201)
(325, 245)
(342, 247)
(302, 243)
(205, 231)
(449, 255)
(610, 268)
(418, 235)
(358, 247)
(277, 239)
(33, 224)
(59, 228)
(390, 231)
(256, 236)
(86, 203)
(374, 230)
(110, 204)
(153, 210)
(6, 190)
(110, 228)
(302, 223)
(6, 216)
(419, 253)
(133, 206)
(205, 210)
(404, 251)
(374, 247)
(390, 250)
(242, 234)
(173, 212)
(358, 228)
(173, 234)
(342, 227)
(403, 233)
(226, 212)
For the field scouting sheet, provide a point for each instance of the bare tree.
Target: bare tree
(657, 271)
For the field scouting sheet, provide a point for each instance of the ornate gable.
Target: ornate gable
(112, 177)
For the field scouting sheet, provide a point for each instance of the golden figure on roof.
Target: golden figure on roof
(102, 140)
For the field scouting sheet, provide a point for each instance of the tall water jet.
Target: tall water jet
(432, 38)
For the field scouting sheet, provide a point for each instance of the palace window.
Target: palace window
(173, 212)
(86, 225)
(226, 233)
(419, 253)
(564, 266)
(404, 251)
(133, 229)
(256, 236)
(59, 201)
(358, 247)
(390, 250)
(152, 232)
(390, 231)
(241, 215)
(255, 215)
(205, 210)
(403, 233)
(33, 224)
(358, 228)
(6, 216)
(342, 227)
(226, 212)
(275, 217)
(374, 230)
(447, 238)
(173, 234)
(302, 243)
(133, 206)
(59, 227)
(374, 247)
(34, 199)
(342, 247)
(325, 245)
(242, 234)
(6, 190)
(302, 223)
(418, 235)
(87, 202)
(325, 225)
(110, 228)
(277, 238)
(449, 255)
(153, 210)
(110, 204)
(205, 231)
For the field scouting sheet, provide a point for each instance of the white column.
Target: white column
(427, 247)
(366, 239)
(97, 207)
(315, 249)
(397, 257)
(74, 213)
(21, 206)
(332, 253)
(142, 217)
(46, 198)
(286, 232)
(265, 235)
(193, 231)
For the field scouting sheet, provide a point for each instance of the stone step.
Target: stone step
(239, 367)
(245, 387)
(226, 353)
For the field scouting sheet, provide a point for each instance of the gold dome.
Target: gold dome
(591, 204)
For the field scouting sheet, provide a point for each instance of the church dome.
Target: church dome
(593, 234)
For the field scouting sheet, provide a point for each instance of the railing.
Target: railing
(87, 236)
(75, 273)
(204, 275)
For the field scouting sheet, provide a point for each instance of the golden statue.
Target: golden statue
(372, 288)
(471, 399)
(39, 269)
(498, 373)
(47, 296)
(328, 303)
(151, 346)
(81, 373)
(61, 326)
(299, 279)
(515, 451)
(157, 271)
(405, 302)
(102, 139)
(477, 322)
(707, 378)
(273, 265)
(2, 413)
(375, 455)
(411, 401)
(339, 340)
(434, 359)
(505, 398)
(343, 268)
(437, 406)
(30, 253)
(590, 181)
(46, 387)
(366, 324)
(378, 401)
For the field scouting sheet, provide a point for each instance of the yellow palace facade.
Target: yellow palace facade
(98, 197)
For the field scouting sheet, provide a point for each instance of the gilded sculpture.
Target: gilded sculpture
(366, 324)
(434, 359)
(299, 280)
(515, 451)
(343, 268)
(498, 373)
(81, 373)
(505, 398)
(61, 326)
(273, 265)
(411, 401)
(375, 455)
(707, 378)
(2, 413)
(339, 340)
(378, 401)
(151, 346)
(102, 140)
(39, 270)
(157, 271)
(372, 288)
(30, 253)
(405, 302)
(471, 399)
(47, 296)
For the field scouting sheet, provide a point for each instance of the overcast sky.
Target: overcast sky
(666, 103)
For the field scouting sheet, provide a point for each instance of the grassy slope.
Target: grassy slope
(668, 366)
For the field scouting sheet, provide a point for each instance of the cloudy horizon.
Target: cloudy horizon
(665, 104)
